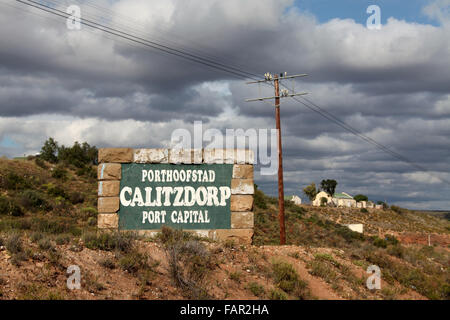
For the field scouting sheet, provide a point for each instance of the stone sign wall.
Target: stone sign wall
(208, 192)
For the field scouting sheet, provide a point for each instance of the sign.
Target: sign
(190, 197)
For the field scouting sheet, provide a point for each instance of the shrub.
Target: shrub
(36, 236)
(364, 210)
(89, 211)
(32, 200)
(323, 270)
(52, 226)
(9, 207)
(260, 199)
(397, 209)
(107, 263)
(134, 261)
(62, 239)
(276, 294)
(17, 258)
(45, 244)
(189, 261)
(288, 280)
(40, 163)
(59, 172)
(76, 197)
(256, 289)
(236, 276)
(109, 241)
(92, 221)
(14, 244)
(170, 236)
(381, 243)
(55, 191)
(87, 171)
(13, 181)
(396, 251)
(390, 239)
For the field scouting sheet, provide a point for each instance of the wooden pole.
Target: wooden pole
(280, 164)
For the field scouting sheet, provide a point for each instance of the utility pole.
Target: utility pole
(284, 94)
(280, 164)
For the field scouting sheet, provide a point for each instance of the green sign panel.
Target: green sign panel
(190, 197)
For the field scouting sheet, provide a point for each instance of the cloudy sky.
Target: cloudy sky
(392, 84)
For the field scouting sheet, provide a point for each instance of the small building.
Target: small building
(344, 200)
(295, 199)
(317, 202)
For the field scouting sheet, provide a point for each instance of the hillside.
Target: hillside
(48, 222)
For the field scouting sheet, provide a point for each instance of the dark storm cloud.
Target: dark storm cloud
(391, 84)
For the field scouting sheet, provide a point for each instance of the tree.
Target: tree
(360, 197)
(49, 151)
(78, 155)
(329, 186)
(310, 191)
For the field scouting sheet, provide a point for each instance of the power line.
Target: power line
(237, 72)
(142, 41)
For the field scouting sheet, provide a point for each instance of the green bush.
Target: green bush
(79, 155)
(364, 210)
(92, 221)
(33, 200)
(288, 280)
(45, 244)
(87, 171)
(89, 211)
(397, 209)
(109, 241)
(134, 261)
(76, 197)
(380, 243)
(189, 261)
(390, 239)
(40, 163)
(62, 239)
(260, 199)
(107, 263)
(55, 191)
(14, 244)
(36, 236)
(59, 172)
(9, 207)
(256, 289)
(277, 294)
(13, 181)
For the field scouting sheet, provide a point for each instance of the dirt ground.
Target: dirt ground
(35, 279)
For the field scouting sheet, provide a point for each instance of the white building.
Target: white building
(339, 200)
(317, 200)
(295, 199)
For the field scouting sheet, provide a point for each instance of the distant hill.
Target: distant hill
(48, 221)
